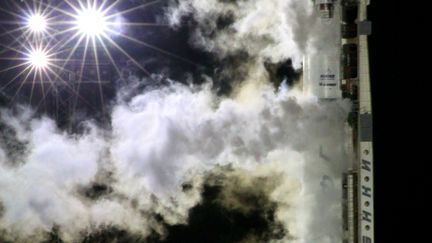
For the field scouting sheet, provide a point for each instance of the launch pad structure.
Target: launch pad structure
(340, 69)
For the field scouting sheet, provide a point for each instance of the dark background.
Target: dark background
(400, 96)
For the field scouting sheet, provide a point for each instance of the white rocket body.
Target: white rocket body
(322, 65)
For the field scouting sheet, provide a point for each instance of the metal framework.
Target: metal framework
(358, 182)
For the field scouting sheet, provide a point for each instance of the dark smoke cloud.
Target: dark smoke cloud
(235, 207)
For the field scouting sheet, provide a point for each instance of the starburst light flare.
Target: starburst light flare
(37, 23)
(91, 22)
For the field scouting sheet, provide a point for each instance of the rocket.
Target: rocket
(333, 48)
(322, 66)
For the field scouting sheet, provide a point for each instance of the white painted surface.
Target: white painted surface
(321, 67)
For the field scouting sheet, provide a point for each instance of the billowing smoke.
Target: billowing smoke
(250, 36)
(167, 137)
(266, 29)
(179, 160)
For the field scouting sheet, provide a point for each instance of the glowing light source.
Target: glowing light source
(38, 59)
(91, 22)
(37, 23)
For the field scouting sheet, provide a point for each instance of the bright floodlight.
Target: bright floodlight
(38, 59)
(91, 22)
(37, 23)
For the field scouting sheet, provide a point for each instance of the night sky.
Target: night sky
(184, 63)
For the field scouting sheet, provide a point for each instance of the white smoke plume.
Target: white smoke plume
(272, 30)
(163, 138)
(252, 33)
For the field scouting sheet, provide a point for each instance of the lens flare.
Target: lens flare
(53, 41)
(91, 22)
(38, 59)
(37, 23)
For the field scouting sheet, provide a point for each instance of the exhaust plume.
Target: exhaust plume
(163, 138)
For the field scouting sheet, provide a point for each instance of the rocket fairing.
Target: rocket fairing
(322, 66)
(322, 80)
